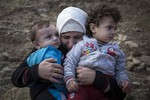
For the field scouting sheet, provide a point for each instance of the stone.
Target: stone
(131, 44)
(148, 68)
(136, 83)
(16, 94)
(137, 29)
(2, 57)
(141, 67)
(122, 37)
(134, 64)
(5, 54)
(148, 78)
(129, 58)
(146, 60)
(136, 61)
(136, 53)
(130, 66)
(44, 15)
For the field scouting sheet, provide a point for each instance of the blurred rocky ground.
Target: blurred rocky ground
(16, 17)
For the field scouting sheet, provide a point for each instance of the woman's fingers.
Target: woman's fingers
(48, 70)
(57, 75)
(55, 80)
(81, 82)
(58, 66)
(51, 60)
(85, 76)
(57, 69)
(79, 69)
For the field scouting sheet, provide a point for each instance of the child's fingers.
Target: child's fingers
(127, 88)
(71, 88)
(76, 87)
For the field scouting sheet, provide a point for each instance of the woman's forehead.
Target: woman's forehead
(71, 34)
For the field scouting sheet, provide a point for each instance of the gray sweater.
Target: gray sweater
(107, 58)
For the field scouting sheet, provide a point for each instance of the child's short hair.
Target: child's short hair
(98, 12)
(36, 26)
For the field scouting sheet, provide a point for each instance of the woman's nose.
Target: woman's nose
(71, 43)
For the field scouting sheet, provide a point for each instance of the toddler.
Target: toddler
(97, 51)
(45, 38)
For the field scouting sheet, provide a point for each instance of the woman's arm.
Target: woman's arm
(101, 81)
(23, 72)
(24, 75)
(47, 70)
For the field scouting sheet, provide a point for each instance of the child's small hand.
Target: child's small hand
(72, 86)
(125, 86)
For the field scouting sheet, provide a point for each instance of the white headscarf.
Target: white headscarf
(71, 19)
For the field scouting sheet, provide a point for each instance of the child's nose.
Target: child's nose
(113, 32)
(55, 38)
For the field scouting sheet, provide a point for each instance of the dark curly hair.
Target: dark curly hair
(98, 12)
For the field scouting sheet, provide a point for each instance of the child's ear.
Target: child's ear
(92, 27)
(36, 45)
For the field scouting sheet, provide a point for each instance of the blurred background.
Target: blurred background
(16, 17)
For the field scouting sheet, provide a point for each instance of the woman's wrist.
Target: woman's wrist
(33, 73)
(100, 81)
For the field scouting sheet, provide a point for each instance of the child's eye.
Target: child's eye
(49, 37)
(57, 35)
(109, 27)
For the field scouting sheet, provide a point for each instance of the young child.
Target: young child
(97, 52)
(45, 38)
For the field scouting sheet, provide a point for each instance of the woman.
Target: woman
(47, 72)
(70, 34)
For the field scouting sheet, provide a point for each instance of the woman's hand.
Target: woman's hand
(50, 70)
(85, 76)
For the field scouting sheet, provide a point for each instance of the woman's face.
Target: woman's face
(70, 38)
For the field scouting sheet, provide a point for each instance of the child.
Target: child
(45, 38)
(98, 53)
